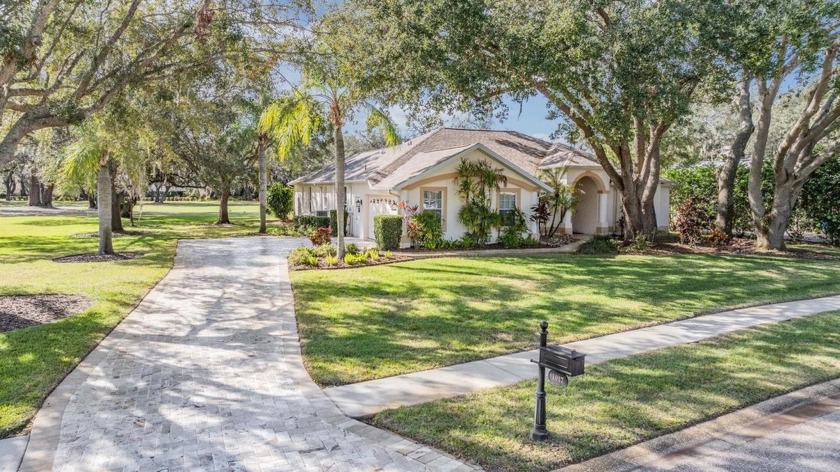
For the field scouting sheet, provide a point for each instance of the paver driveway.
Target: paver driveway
(206, 374)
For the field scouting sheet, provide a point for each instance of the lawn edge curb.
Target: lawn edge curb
(647, 452)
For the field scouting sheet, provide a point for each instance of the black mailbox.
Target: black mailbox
(561, 359)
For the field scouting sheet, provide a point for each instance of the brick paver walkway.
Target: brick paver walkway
(206, 374)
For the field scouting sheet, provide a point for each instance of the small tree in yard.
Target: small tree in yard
(281, 200)
(477, 181)
(553, 206)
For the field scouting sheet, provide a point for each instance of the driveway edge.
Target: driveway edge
(705, 433)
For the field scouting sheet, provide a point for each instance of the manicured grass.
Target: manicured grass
(33, 360)
(627, 401)
(381, 321)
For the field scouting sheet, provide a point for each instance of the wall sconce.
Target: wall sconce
(358, 204)
(393, 205)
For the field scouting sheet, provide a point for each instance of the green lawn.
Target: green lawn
(627, 401)
(33, 360)
(381, 321)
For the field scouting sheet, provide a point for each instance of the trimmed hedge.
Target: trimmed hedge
(334, 223)
(387, 230)
(312, 221)
(280, 200)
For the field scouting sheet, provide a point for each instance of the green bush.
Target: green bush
(334, 222)
(516, 227)
(325, 250)
(427, 230)
(312, 221)
(301, 255)
(387, 230)
(352, 248)
(280, 200)
(354, 259)
(599, 244)
(821, 200)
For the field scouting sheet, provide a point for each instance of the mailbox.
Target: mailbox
(561, 359)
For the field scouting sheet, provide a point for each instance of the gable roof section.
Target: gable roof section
(519, 150)
(561, 155)
(425, 164)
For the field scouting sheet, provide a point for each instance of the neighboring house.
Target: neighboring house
(421, 172)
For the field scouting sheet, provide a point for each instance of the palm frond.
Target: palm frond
(378, 119)
(291, 122)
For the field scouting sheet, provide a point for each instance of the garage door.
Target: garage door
(381, 205)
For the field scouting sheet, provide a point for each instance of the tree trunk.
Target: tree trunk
(34, 190)
(47, 195)
(116, 208)
(224, 218)
(263, 181)
(729, 170)
(339, 186)
(10, 182)
(158, 185)
(104, 192)
(91, 197)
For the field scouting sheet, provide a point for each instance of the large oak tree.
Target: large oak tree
(620, 73)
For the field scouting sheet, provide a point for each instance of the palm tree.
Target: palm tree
(292, 121)
(90, 155)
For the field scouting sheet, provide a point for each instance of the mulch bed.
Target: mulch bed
(22, 311)
(98, 258)
(738, 247)
(341, 265)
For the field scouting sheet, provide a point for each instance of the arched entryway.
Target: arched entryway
(585, 216)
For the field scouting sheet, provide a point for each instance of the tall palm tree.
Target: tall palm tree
(292, 121)
(90, 155)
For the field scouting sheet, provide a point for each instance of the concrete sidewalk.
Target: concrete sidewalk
(367, 398)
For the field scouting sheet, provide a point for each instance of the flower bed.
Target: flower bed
(325, 256)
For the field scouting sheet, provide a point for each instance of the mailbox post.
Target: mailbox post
(562, 363)
(538, 432)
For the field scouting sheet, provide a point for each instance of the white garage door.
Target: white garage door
(380, 205)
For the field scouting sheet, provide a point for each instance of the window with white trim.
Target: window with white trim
(507, 208)
(433, 202)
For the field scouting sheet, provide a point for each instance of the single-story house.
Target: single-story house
(421, 171)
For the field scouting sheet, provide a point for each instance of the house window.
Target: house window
(433, 202)
(507, 208)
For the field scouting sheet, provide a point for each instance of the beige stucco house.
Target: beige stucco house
(421, 171)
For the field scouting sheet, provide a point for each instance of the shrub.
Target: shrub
(372, 254)
(325, 250)
(334, 221)
(354, 259)
(821, 200)
(690, 221)
(387, 230)
(352, 248)
(718, 238)
(599, 244)
(312, 221)
(300, 255)
(280, 200)
(332, 260)
(320, 236)
(389, 255)
(511, 236)
(427, 231)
